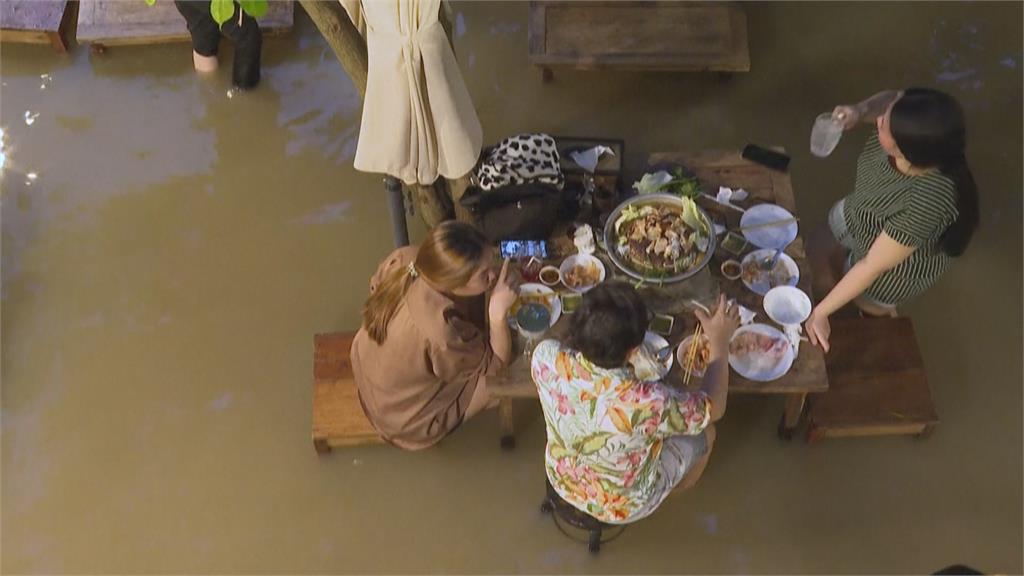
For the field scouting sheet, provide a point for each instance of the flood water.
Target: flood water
(169, 252)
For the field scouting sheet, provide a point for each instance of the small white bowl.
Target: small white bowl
(584, 260)
(683, 352)
(787, 305)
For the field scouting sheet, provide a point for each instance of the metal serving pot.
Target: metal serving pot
(655, 199)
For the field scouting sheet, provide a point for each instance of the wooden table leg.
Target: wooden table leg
(508, 438)
(791, 416)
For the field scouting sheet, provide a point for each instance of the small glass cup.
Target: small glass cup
(533, 320)
(531, 269)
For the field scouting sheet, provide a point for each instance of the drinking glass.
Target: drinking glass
(825, 135)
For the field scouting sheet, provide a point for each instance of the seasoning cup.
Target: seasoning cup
(550, 276)
(732, 269)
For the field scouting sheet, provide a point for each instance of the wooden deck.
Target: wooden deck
(38, 22)
(124, 22)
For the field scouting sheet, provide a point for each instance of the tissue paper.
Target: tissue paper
(587, 159)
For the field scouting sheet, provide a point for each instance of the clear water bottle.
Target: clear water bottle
(825, 135)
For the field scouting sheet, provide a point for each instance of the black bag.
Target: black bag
(520, 211)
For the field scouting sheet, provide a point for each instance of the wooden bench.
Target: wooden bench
(681, 36)
(338, 417)
(38, 22)
(131, 22)
(877, 382)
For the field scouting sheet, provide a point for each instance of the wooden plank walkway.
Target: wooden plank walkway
(38, 22)
(123, 22)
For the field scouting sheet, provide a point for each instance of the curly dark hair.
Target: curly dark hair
(611, 321)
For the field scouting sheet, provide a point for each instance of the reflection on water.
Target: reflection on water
(165, 269)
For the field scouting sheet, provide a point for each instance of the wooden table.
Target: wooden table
(681, 36)
(713, 168)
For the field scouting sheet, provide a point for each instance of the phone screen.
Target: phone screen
(523, 249)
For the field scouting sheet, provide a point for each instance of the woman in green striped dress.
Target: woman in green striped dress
(913, 209)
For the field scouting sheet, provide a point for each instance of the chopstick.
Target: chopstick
(768, 224)
(691, 355)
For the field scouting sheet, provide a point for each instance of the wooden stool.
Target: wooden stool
(573, 516)
(877, 382)
(338, 417)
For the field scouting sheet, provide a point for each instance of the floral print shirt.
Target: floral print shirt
(605, 430)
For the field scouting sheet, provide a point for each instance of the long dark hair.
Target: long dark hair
(611, 321)
(929, 129)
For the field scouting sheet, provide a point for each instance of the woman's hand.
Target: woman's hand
(720, 326)
(503, 296)
(846, 115)
(818, 328)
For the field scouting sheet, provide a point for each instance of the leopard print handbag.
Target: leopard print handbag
(520, 159)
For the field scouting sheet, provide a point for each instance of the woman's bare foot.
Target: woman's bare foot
(204, 64)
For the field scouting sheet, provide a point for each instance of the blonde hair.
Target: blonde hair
(448, 258)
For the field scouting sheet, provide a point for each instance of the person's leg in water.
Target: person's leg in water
(480, 400)
(826, 257)
(248, 41)
(204, 32)
(697, 470)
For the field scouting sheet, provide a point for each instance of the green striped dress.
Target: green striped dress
(913, 210)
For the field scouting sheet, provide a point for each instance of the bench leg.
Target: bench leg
(594, 543)
(791, 416)
(508, 438)
(321, 446)
(814, 434)
(58, 42)
(926, 432)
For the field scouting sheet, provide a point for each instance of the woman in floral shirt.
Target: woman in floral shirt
(617, 445)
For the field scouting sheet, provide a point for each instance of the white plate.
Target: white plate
(762, 285)
(581, 259)
(772, 236)
(761, 367)
(787, 305)
(653, 342)
(684, 349)
(553, 299)
(656, 342)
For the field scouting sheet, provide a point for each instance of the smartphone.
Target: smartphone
(523, 249)
(663, 324)
(765, 157)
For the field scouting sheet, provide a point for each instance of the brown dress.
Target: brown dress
(416, 386)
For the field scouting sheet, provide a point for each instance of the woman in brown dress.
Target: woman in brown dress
(429, 338)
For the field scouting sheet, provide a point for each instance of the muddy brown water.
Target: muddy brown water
(166, 268)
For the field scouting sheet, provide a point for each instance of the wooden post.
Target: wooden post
(433, 202)
(348, 44)
(456, 189)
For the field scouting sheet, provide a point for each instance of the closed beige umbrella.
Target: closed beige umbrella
(418, 119)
